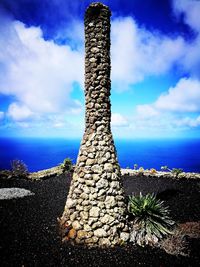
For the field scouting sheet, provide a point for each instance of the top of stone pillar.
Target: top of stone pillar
(94, 9)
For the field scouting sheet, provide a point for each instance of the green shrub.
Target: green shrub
(67, 165)
(19, 168)
(151, 219)
(176, 171)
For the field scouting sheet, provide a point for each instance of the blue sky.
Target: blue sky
(155, 68)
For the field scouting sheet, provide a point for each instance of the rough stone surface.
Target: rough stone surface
(124, 236)
(100, 232)
(94, 212)
(96, 189)
(76, 225)
(45, 174)
(72, 234)
(160, 174)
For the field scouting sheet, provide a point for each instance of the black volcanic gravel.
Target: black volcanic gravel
(29, 232)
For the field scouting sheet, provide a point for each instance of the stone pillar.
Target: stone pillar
(95, 211)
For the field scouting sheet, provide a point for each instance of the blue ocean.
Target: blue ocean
(40, 153)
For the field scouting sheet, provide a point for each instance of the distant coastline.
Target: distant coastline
(41, 153)
(56, 171)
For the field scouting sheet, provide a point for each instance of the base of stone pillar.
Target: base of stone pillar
(100, 237)
(95, 212)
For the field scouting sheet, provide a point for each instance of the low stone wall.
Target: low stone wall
(56, 171)
(160, 174)
(45, 174)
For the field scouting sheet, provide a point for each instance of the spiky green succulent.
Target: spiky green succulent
(151, 217)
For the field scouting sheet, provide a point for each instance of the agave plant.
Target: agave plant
(151, 219)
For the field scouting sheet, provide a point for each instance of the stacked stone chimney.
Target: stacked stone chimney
(95, 211)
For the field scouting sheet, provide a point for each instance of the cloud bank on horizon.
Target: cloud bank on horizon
(155, 69)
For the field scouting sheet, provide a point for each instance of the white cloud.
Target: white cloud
(149, 127)
(137, 53)
(117, 120)
(184, 97)
(19, 112)
(189, 122)
(175, 110)
(172, 112)
(191, 11)
(160, 126)
(74, 34)
(38, 73)
(146, 111)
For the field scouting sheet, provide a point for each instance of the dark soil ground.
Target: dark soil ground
(30, 237)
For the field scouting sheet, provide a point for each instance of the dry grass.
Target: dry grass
(178, 243)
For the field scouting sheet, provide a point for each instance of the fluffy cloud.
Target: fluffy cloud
(184, 97)
(147, 111)
(188, 122)
(176, 109)
(172, 112)
(38, 73)
(137, 53)
(19, 112)
(117, 120)
(190, 10)
(73, 35)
